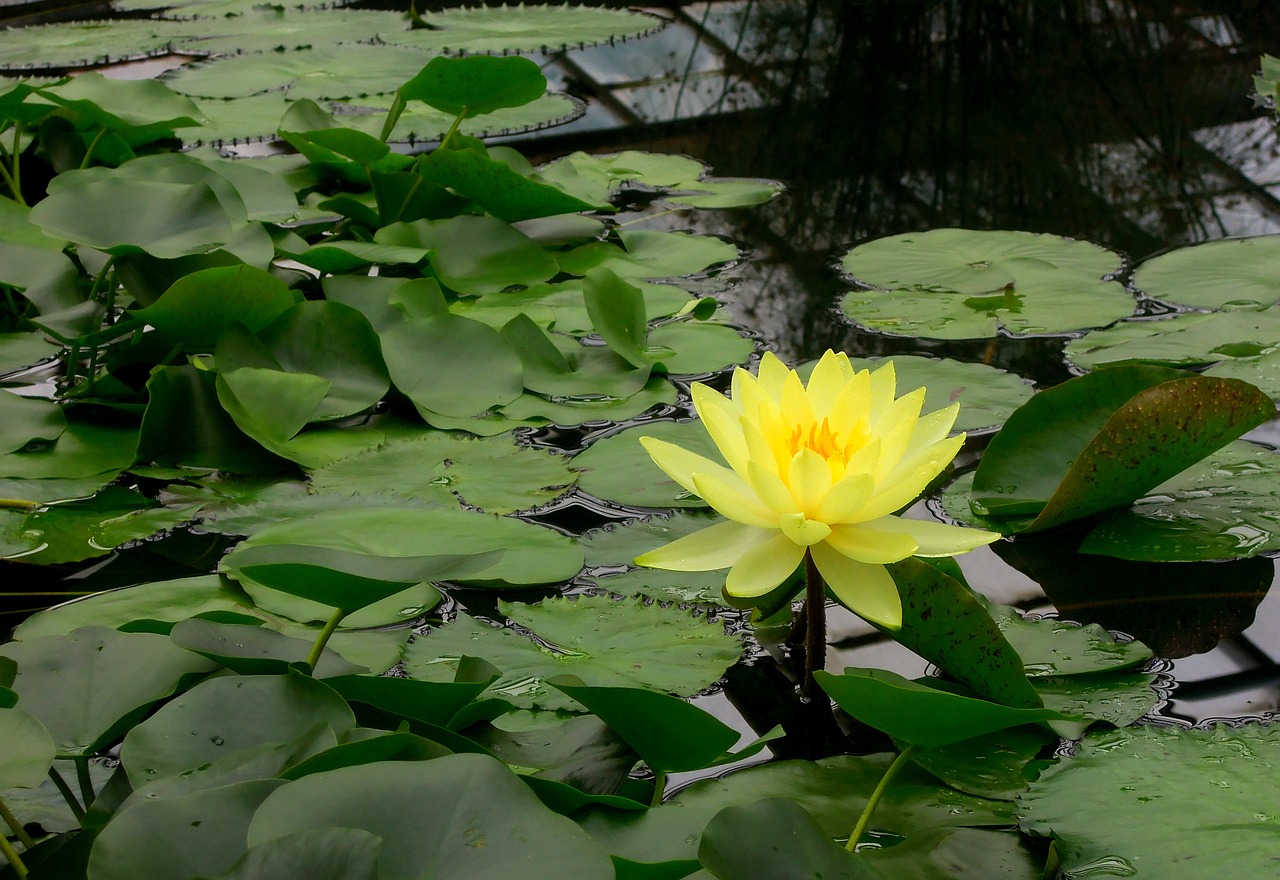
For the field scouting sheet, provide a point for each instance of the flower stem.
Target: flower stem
(11, 856)
(815, 648)
(659, 787)
(67, 794)
(87, 793)
(881, 787)
(313, 658)
(20, 504)
(18, 831)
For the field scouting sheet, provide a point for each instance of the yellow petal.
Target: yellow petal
(809, 479)
(933, 538)
(866, 590)
(772, 375)
(679, 463)
(899, 494)
(895, 429)
(763, 567)
(721, 417)
(767, 452)
(769, 487)
(805, 532)
(931, 428)
(846, 368)
(730, 496)
(717, 546)
(884, 383)
(846, 499)
(825, 384)
(925, 466)
(871, 546)
(795, 404)
(852, 405)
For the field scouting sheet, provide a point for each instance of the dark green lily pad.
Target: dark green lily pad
(493, 474)
(315, 853)
(775, 838)
(199, 834)
(84, 449)
(996, 765)
(479, 84)
(90, 685)
(650, 254)
(1192, 800)
(1116, 698)
(24, 419)
(225, 715)
(29, 750)
(1180, 340)
(909, 710)
(254, 650)
(494, 817)
(525, 28)
(1229, 274)
(966, 284)
(603, 642)
(617, 468)
(958, 854)
(474, 254)
(21, 350)
(1105, 439)
(201, 306)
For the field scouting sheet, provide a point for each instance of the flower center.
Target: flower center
(826, 442)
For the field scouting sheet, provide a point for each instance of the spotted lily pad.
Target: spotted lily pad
(1191, 800)
(966, 284)
(1235, 273)
(602, 642)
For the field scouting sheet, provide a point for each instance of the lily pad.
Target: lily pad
(1192, 800)
(775, 838)
(650, 254)
(617, 468)
(1225, 507)
(29, 750)
(492, 474)
(967, 284)
(1049, 647)
(602, 642)
(80, 44)
(493, 818)
(1116, 698)
(474, 254)
(996, 765)
(700, 347)
(1180, 340)
(525, 28)
(1229, 274)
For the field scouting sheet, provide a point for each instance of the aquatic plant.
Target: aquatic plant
(294, 385)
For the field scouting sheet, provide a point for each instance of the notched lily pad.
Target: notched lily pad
(967, 284)
(1229, 274)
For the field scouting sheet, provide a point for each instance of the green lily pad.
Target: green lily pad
(619, 543)
(494, 816)
(967, 284)
(316, 853)
(228, 714)
(80, 44)
(995, 765)
(1229, 274)
(700, 347)
(1049, 647)
(909, 711)
(92, 684)
(987, 395)
(492, 474)
(1179, 340)
(1191, 800)
(84, 449)
(29, 750)
(725, 192)
(535, 409)
(594, 176)
(1116, 698)
(530, 554)
(254, 650)
(524, 28)
(617, 468)
(198, 834)
(650, 254)
(273, 29)
(603, 642)
(560, 306)
(775, 838)
(1262, 370)
(21, 350)
(959, 854)
(479, 84)
(474, 254)
(1224, 507)
(24, 419)
(1103, 440)
(200, 307)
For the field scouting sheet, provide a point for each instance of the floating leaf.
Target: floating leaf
(524, 28)
(254, 650)
(199, 834)
(617, 468)
(315, 853)
(493, 816)
(29, 750)
(423, 354)
(80, 44)
(92, 684)
(1180, 340)
(958, 854)
(995, 765)
(700, 347)
(910, 711)
(474, 255)
(1104, 439)
(725, 192)
(1221, 508)
(1189, 798)
(496, 186)
(1051, 647)
(775, 838)
(225, 715)
(1234, 273)
(965, 284)
(650, 254)
(201, 306)
(479, 84)
(492, 474)
(1116, 698)
(602, 642)
(142, 110)
(84, 449)
(24, 419)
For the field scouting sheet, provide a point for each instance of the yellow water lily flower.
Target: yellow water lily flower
(817, 469)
